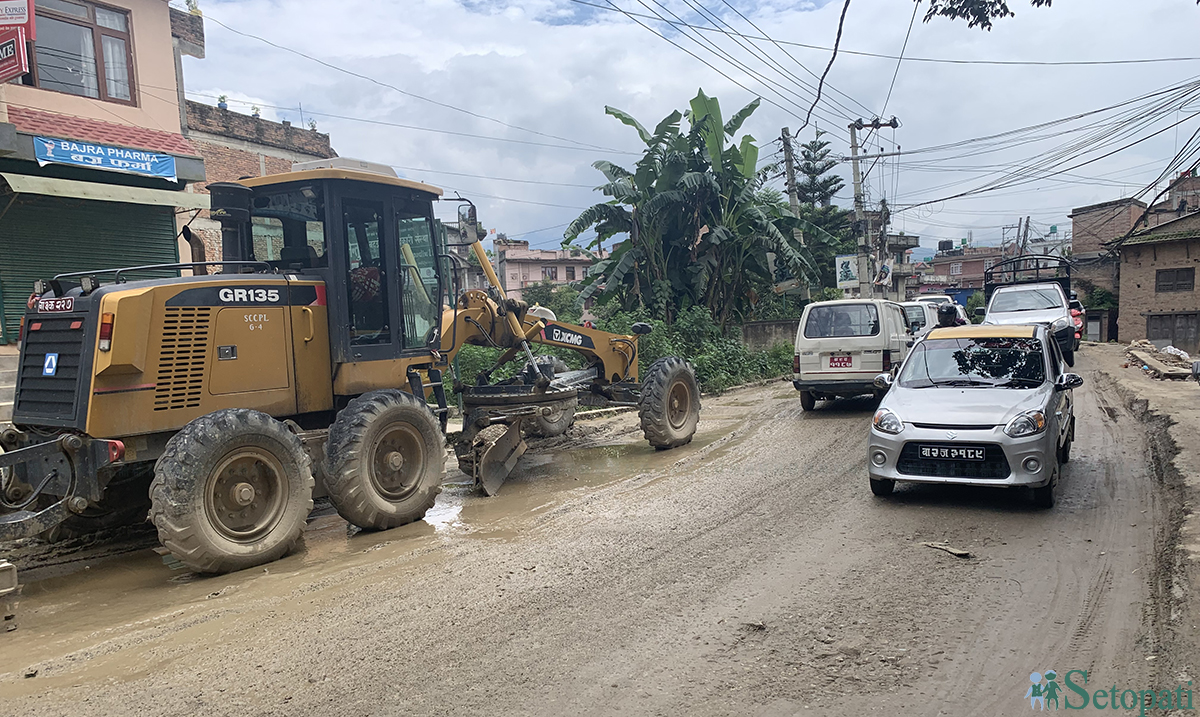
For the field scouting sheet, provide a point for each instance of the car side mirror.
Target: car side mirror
(915, 326)
(981, 312)
(883, 381)
(1068, 381)
(641, 328)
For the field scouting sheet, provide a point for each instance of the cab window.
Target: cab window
(287, 229)
(418, 264)
(362, 230)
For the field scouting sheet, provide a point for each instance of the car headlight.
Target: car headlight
(1029, 423)
(1060, 325)
(887, 422)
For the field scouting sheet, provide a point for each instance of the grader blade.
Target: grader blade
(499, 460)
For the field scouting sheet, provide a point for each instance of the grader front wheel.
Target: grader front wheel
(231, 491)
(669, 407)
(385, 460)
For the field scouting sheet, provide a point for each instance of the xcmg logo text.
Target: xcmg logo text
(1070, 691)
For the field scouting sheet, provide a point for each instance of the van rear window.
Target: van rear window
(842, 320)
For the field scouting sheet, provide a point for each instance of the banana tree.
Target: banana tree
(699, 226)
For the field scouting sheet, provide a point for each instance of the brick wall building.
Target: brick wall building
(963, 268)
(235, 145)
(1158, 296)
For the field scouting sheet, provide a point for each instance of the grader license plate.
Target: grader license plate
(56, 306)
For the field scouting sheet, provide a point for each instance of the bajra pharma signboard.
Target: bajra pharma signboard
(49, 150)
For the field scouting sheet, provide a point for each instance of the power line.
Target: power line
(899, 60)
(406, 93)
(951, 61)
(837, 41)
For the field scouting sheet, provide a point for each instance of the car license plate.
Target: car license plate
(841, 362)
(950, 453)
(56, 306)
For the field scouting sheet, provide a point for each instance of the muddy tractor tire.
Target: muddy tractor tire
(232, 490)
(669, 407)
(562, 417)
(385, 458)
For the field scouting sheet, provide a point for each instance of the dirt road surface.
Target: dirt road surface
(750, 573)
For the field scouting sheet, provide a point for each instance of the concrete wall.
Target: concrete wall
(154, 74)
(765, 334)
(1139, 265)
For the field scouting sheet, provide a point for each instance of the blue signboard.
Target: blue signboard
(49, 150)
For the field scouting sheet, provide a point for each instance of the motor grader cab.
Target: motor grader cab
(312, 359)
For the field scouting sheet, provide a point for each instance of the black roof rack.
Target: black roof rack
(1028, 269)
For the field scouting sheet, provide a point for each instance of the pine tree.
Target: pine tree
(817, 186)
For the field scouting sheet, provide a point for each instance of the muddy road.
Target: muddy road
(750, 573)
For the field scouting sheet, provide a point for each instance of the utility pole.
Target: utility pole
(866, 282)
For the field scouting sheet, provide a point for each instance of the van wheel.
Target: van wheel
(882, 486)
(808, 401)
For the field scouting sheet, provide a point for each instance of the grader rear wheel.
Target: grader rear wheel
(669, 407)
(231, 491)
(385, 460)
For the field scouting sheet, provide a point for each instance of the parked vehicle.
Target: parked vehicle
(842, 345)
(984, 405)
(936, 298)
(921, 316)
(1035, 303)
(1036, 288)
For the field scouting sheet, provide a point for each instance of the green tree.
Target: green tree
(698, 223)
(977, 13)
(976, 301)
(817, 186)
(562, 299)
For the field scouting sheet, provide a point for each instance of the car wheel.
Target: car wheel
(1044, 497)
(808, 401)
(882, 486)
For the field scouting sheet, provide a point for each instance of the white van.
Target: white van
(841, 346)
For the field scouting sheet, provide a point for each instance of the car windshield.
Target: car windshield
(987, 362)
(842, 320)
(934, 299)
(1026, 300)
(915, 315)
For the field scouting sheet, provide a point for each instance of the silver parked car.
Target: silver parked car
(976, 405)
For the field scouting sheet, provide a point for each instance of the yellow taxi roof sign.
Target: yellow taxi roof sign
(984, 331)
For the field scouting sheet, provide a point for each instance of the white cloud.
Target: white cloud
(552, 65)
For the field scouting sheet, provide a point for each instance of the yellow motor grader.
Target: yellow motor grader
(310, 360)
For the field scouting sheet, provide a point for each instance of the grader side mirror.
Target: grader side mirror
(641, 328)
(468, 221)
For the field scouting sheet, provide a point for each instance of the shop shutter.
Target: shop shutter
(43, 236)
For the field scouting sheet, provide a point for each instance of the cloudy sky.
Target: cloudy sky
(530, 79)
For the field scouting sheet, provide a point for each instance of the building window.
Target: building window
(988, 264)
(1175, 279)
(83, 49)
(570, 273)
(550, 272)
(956, 269)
